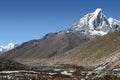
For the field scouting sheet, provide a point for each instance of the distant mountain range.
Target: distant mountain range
(57, 47)
(5, 48)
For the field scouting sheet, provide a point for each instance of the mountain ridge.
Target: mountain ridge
(92, 25)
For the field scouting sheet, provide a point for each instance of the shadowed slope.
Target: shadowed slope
(7, 64)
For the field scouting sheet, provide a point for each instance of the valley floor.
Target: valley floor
(60, 72)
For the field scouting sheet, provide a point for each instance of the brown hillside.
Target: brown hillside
(7, 64)
(94, 52)
(52, 44)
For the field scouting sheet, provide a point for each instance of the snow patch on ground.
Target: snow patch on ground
(94, 32)
(66, 73)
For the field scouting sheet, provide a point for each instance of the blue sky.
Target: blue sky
(24, 20)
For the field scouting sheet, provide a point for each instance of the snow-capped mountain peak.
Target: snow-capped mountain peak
(4, 48)
(114, 23)
(97, 11)
(96, 23)
(11, 45)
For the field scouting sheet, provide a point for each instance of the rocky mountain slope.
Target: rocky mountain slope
(56, 44)
(52, 44)
(103, 50)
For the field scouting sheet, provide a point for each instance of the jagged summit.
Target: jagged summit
(95, 23)
(92, 24)
(97, 11)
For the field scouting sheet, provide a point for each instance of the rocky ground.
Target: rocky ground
(62, 72)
